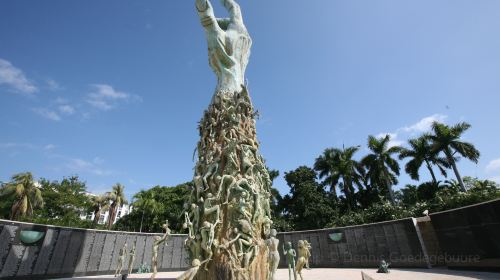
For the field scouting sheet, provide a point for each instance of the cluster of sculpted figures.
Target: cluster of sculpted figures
(272, 243)
(295, 266)
(231, 183)
(296, 262)
(158, 240)
(228, 216)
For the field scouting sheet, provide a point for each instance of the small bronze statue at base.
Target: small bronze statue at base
(156, 243)
(131, 259)
(274, 255)
(383, 267)
(121, 260)
(290, 255)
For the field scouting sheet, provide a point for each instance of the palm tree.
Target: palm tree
(325, 165)
(485, 184)
(28, 195)
(336, 165)
(420, 152)
(145, 200)
(117, 198)
(382, 169)
(446, 139)
(98, 205)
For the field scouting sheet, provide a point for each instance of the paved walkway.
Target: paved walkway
(350, 274)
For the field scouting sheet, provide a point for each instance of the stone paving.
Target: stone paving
(351, 274)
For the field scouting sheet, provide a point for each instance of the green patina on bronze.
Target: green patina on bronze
(336, 237)
(30, 236)
(228, 216)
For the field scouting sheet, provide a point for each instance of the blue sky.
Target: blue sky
(112, 90)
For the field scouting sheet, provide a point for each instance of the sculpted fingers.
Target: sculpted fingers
(233, 9)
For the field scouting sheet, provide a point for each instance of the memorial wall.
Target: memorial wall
(397, 242)
(61, 252)
(469, 237)
(77, 252)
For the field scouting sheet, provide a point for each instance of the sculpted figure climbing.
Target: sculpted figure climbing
(158, 240)
(121, 260)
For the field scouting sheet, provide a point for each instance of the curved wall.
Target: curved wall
(469, 237)
(398, 242)
(63, 252)
(67, 252)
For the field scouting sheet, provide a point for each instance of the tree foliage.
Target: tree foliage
(307, 205)
(340, 169)
(312, 201)
(421, 152)
(170, 206)
(97, 205)
(25, 196)
(64, 201)
(447, 140)
(117, 198)
(382, 168)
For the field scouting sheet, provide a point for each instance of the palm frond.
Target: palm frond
(466, 150)
(8, 190)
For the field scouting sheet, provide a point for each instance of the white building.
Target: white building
(121, 211)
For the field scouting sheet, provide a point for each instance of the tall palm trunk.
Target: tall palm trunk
(451, 160)
(97, 215)
(431, 171)
(348, 196)
(111, 216)
(391, 192)
(142, 219)
(333, 190)
(14, 210)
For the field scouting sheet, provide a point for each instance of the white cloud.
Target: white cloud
(63, 163)
(100, 104)
(107, 91)
(82, 166)
(493, 165)
(14, 145)
(48, 114)
(60, 100)
(15, 78)
(49, 147)
(67, 109)
(424, 124)
(86, 116)
(10, 145)
(105, 97)
(98, 160)
(77, 163)
(52, 84)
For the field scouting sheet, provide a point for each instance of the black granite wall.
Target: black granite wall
(77, 252)
(470, 237)
(362, 246)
